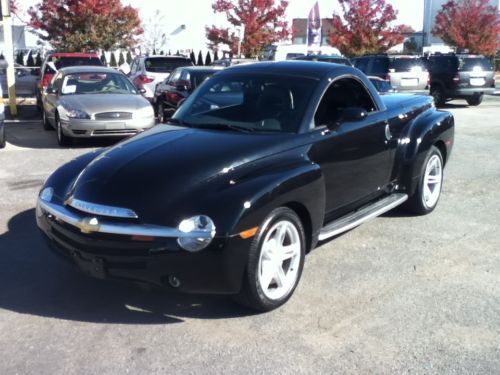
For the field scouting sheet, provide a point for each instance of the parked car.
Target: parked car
(336, 59)
(2, 120)
(280, 52)
(230, 62)
(60, 60)
(178, 86)
(148, 71)
(463, 76)
(406, 73)
(381, 85)
(25, 81)
(230, 195)
(92, 101)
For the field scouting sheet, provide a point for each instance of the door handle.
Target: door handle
(388, 135)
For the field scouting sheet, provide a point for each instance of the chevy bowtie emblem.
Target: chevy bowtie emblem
(89, 225)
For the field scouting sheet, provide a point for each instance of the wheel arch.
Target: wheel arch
(305, 217)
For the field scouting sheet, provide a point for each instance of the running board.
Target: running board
(361, 216)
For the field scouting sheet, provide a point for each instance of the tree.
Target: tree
(216, 55)
(20, 58)
(112, 60)
(38, 60)
(85, 25)
(155, 37)
(129, 57)
(200, 59)
(121, 59)
(365, 27)
(264, 23)
(208, 59)
(30, 61)
(469, 24)
(103, 59)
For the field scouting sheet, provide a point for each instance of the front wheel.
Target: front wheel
(275, 261)
(426, 197)
(438, 94)
(62, 139)
(46, 124)
(475, 100)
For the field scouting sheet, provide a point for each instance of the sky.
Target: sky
(195, 14)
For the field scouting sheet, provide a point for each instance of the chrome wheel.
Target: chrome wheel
(433, 179)
(279, 260)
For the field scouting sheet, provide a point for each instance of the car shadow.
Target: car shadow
(34, 281)
(454, 105)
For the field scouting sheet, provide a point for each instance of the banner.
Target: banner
(314, 36)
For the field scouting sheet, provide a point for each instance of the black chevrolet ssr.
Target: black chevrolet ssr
(257, 166)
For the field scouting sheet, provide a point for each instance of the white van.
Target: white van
(280, 52)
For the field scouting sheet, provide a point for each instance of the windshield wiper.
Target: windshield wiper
(221, 126)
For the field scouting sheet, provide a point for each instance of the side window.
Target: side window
(174, 77)
(380, 65)
(342, 93)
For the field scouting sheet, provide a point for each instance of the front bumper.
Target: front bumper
(79, 128)
(143, 253)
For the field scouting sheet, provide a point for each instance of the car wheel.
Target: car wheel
(161, 113)
(426, 197)
(62, 139)
(2, 136)
(275, 262)
(46, 124)
(438, 95)
(475, 100)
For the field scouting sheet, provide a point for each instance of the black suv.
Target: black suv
(406, 73)
(455, 76)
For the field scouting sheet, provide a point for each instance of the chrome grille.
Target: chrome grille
(113, 116)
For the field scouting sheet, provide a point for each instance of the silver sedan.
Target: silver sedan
(89, 101)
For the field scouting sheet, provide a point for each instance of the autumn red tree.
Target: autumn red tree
(263, 20)
(469, 24)
(366, 27)
(85, 25)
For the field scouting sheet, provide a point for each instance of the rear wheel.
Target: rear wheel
(475, 100)
(426, 197)
(438, 94)
(275, 261)
(62, 139)
(46, 124)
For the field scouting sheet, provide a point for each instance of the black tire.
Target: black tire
(2, 136)
(438, 94)
(252, 294)
(45, 121)
(62, 139)
(417, 202)
(475, 100)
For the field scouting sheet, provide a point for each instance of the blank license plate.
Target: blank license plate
(477, 81)
(409, 82)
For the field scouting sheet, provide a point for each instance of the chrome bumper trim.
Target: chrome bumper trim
(86, 226)
(101, 210)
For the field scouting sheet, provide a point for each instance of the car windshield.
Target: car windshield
(62, 62)
(407, 65)
(248, 102)
(474, 63)
(164, 64)
(96, 83)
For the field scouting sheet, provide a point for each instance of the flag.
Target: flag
(314, 29)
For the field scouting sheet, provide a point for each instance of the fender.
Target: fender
(431, 127)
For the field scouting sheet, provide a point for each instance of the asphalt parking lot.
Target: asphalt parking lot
(401, 294)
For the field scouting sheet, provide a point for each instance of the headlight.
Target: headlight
(200, 230)
(47, 194)
(76, 113)
(144, 112)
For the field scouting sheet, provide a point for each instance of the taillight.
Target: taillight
(47, 78)
(388, 77)
(145, 79)
(456, 79)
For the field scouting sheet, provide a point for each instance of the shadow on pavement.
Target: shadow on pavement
(34, 281)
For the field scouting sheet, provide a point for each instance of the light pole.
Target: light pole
(241, 33)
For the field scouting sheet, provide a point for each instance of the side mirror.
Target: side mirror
(181, 87)
(353, 114)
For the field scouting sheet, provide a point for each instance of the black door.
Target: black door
(354, 156)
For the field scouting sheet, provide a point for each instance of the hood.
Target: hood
(97, 103)
(164, 169)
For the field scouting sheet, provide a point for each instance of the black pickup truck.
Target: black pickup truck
(257, 166)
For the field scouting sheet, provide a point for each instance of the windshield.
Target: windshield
(254, 102)
(474, 63)
(165, 64)
(63, 62)
(96, 83)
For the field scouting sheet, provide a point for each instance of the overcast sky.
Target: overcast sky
(195, 14)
